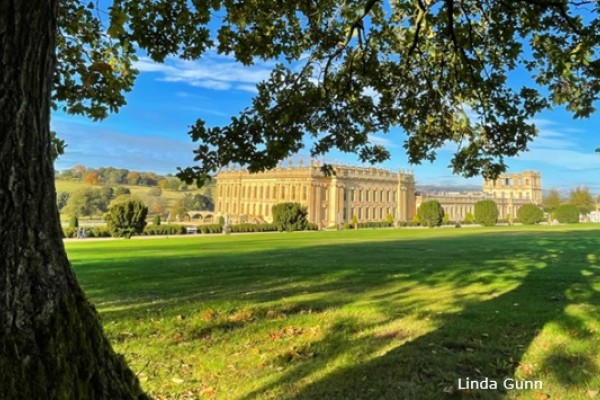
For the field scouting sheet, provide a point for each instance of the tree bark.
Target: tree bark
(51, 342)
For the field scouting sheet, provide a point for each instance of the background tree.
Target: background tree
(583, 199)
(567, 214)
(346, 69)
(551, 200)
(126, 219)
(91, 178)
(530, 214)
(486, 212)
(430, 213)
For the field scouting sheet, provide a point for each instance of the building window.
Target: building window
(367, 196)
(304, 192)
(293, 192)
(283, 192)
(268, 192)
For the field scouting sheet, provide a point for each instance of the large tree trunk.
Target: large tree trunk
(51, 342)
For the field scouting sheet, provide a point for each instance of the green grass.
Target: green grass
(373, 314)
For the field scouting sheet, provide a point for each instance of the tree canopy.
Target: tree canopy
(438, 69)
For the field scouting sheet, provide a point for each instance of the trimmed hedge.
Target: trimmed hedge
(530, 214)
(95, 232)
(408, 223)
(126, 219)
(164, 229)
(430, 213)
(567, 214)
(210, 228)
(244, 228)
(486, 212)
(290, 216)
(370, 224)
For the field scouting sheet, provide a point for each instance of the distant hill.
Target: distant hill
(448, 188)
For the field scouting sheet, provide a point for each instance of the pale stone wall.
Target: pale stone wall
(526, 185)
(369, 193)
(509, 191)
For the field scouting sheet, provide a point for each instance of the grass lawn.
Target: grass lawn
(372, 314)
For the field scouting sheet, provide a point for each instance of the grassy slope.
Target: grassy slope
(398, 314)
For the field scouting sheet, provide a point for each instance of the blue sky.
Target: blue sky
(150, 132)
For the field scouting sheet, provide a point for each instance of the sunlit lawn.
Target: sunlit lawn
(373, 314)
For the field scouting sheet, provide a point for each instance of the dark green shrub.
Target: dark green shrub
(567, 214)
(73, 222)
(486, 212)
(430, 213)
(530, 214)
(126, 219)
(221, 220)
(290, 216)
(156, 220)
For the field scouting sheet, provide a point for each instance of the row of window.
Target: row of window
(301, 193)
(509, 182)
(362, 213)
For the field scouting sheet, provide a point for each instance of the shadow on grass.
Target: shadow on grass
(484, 338)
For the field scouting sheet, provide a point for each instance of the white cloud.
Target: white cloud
(382, 141)
(558, 146)
(216, 72)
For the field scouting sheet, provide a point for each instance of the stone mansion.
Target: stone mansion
(369, 193)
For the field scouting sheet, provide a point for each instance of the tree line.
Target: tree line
(120, 176)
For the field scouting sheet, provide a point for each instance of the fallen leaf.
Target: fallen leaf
(208, 315)
(177, 380)
(592, 393)
(208, 392)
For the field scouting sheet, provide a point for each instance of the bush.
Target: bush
(290, 216)
(469, 219)
(165, 229)
(530, 214)
(311, 226)
(126, 219)
(430, 213)
(567, 214)
(156, 220)
(221, 220)
(486, 212)
(73, 222)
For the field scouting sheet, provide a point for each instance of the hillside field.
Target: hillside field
(368, 314)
